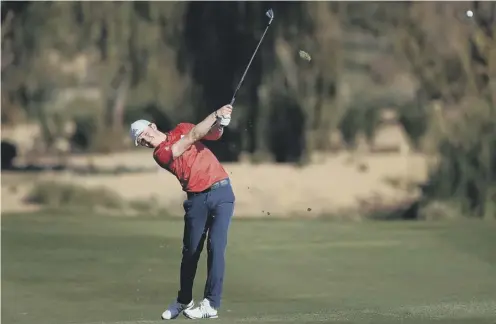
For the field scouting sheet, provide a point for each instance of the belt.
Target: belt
(216, 185)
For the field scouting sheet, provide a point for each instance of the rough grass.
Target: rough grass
(72, 197)
(60, 194)
(68, 196)
(91, 269)
(280, 190)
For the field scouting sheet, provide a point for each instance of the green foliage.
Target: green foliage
(83, 138)
(466, 171)
(67, 52)
(414, 118)
(360, 117)
(350, 126)
(125, 55)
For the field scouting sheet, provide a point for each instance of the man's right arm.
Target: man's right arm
(199, 131)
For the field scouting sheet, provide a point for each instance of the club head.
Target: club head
(270, 14)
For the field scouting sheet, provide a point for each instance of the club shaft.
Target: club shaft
(249, 63)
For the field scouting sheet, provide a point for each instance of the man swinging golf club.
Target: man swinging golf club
(208, 208)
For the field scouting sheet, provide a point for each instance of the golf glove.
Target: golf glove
(224, 120)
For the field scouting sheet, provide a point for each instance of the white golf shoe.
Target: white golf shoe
(174, 309)
(204, 310)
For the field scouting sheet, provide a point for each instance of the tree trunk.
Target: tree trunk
(262, 122)
(119, 105)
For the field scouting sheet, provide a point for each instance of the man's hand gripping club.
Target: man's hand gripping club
(224, 120)
(221, 116)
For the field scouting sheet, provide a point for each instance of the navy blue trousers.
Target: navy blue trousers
(207, 216)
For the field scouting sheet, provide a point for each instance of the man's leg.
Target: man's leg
(195, 219)
(221, 202)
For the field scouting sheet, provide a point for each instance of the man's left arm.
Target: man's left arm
(215, 133)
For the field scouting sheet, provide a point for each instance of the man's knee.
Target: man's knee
(193, 251)
(217, 245)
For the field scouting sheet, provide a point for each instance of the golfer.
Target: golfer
(208, 208)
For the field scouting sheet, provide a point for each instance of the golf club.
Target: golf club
(269, 14)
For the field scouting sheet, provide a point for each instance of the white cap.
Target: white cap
(137, 128)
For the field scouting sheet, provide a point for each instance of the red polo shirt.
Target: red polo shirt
(196, 169)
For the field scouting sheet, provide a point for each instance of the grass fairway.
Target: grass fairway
(86, 269)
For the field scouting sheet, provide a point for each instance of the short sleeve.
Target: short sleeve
(184, 128)
(163, 155)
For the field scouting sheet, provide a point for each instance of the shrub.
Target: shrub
(68, 197)
(58, 194)
(466, 170)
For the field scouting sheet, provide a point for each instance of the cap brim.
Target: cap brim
(136, 139)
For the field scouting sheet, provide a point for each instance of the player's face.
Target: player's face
(149, 137)
(146, 138)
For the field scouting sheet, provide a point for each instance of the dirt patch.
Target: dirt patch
(336, 183)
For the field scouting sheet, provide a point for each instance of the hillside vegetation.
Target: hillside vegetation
(84, 70)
